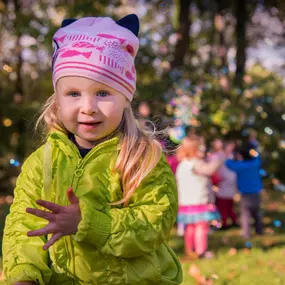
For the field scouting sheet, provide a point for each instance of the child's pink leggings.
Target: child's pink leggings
(196, 238)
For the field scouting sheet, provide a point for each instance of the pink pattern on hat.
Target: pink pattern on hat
(111, 37)
(98, 49)
(83, 45)
(130, 76)
(60, 39)
(70, 53)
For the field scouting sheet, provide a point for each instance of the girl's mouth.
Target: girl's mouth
(89, 125)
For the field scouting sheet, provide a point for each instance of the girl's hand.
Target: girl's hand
(63, 220)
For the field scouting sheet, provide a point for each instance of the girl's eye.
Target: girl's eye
(74, 94)
(103, 93)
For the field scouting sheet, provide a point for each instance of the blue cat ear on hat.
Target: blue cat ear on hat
(130, 22)
(67, 22)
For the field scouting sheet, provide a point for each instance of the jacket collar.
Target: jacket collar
(61, 139)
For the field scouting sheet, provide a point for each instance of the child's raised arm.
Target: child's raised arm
(210, 167)
(241, 165)
(23, 256)
(138, 228)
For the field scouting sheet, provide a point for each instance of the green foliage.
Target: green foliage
(223, 108)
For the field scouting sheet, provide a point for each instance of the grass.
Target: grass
(236, 261)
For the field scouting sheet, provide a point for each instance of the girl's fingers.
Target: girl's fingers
(41, 232)
(49, 205)
(53, 239)
(42, 214)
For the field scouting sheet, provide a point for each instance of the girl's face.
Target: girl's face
(89, 109)
(229, 148)
(201, 151)
(217, 145)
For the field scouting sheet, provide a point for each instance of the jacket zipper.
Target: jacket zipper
(82, 162)
(75, 178)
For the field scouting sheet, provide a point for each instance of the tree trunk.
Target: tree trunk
(221, 27)
(217, 39)
(182, 45)
(19, 90)
(18, 50)
(241, 43)
(211, 42)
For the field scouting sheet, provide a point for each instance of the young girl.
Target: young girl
(94, 204)
(226, 182)
(196, 206)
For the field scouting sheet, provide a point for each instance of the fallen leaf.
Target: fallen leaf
(246, 250)
(267, 220)
(272, 206)
(215, 276)
(244, 267)
(232, 251)
(232, 275)
(269, 231)
(268, 242)
(195, 272)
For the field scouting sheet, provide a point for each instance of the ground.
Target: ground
(237, 261)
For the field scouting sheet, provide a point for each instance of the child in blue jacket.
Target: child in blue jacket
(247, 166)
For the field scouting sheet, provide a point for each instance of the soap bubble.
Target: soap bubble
(164, 6)
(248, 244)
(277, 223)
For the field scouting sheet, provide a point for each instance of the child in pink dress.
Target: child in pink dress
(196, 204)
(226, 182)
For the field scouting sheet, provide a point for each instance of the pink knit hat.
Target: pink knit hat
(99, 49)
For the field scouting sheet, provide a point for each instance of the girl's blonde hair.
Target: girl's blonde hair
(189, 147)
(139, 154)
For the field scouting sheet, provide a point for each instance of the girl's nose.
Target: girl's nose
(89, 105)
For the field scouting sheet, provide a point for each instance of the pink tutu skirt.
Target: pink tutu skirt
(197, 213)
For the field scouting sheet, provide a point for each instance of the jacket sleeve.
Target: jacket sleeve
(23, 256)
(240, 165)
(138, 228)
(208, 168)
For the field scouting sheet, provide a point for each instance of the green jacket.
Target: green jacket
(113, 245)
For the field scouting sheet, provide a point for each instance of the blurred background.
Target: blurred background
(212, 67)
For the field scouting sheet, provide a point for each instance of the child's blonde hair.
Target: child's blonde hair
(139, 154)
(189, 147)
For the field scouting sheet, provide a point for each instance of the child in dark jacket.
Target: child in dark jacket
(247, 166)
